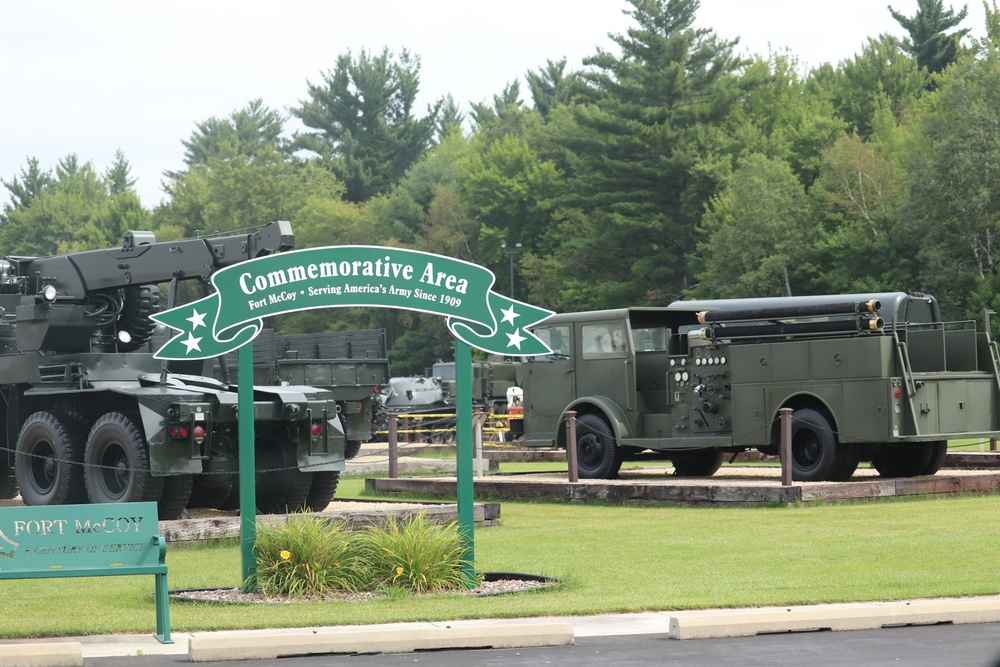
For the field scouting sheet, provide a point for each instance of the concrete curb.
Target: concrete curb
(41, 655)
(256, 646)
(863, 616)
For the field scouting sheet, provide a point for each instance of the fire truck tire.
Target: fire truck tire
(175, 497)
(699, 463)
(939, 450)
(117, 462)
(597, 455)
(815, 451)
(324, 485)
(904, 460)
(49, 453)
(848, 457)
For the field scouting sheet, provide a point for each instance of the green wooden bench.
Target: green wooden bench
(86, 541)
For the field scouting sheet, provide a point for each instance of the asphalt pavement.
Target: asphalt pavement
(500, 633)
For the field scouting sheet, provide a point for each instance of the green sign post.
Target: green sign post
(342, 276)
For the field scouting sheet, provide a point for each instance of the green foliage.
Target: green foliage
(416, 555)
(633, 142)
(758, 234)
(882, 74)
(254, 131)
(76, 209)
(309, 556)
(362, 121)
(930, 43)
(952, 180)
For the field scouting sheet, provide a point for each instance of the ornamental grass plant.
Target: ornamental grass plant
(308, 556)
(416, 554)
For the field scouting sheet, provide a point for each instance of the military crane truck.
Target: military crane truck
(870, 377)
(90, 416)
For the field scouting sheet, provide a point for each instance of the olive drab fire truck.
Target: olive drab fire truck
(869, 377)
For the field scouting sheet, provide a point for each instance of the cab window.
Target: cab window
(603, 340)
(557, 338)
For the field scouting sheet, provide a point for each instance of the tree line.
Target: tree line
(666, 167)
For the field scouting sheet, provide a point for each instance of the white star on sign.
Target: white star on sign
(196, 320)
(509, 314)
(192, 343)
(515, 339)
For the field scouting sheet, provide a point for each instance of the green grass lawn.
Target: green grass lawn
(610, 559)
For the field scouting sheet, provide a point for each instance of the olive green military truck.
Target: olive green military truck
(88, 413)
(870, 377)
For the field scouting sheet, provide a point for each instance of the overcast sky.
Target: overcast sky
(92, 77)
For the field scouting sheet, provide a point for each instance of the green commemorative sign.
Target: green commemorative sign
(339, 276)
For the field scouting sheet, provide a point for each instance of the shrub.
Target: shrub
(416, 554)
(308, 556)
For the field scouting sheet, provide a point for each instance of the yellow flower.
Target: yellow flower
(399, 570)
(285, 554)
(336, 563)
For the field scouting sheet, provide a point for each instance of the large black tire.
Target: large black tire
(117, 462)
(281, 486)
(904, 460)
(848, 458)
(597, 454)
(175, 496)
(49, 456)
(8, 483)
(210, 491)
(138, 303)
(939, 450)
(699, 463)
(814, 447)
(352, 448)
(324, 485)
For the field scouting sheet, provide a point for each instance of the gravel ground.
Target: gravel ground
(236, 596)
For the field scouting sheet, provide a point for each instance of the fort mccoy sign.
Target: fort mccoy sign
(341, 276)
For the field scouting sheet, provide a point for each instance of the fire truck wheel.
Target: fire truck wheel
(49, 452)
(939, 450)
(904, 460)
(814, 447)
(699, 463)
(597, 455)
(117, 462)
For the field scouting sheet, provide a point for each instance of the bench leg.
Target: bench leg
(162, 610)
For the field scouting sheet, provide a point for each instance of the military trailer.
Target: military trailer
(869, 377)
(351, 364)
(91, 416)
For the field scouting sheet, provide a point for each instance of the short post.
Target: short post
(993, 444)
(393, 450)
(477, 437)
(574, 473)
(785, 447)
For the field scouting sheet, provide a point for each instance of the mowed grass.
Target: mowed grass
(610, 559)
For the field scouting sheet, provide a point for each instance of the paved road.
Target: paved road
(974, 645)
